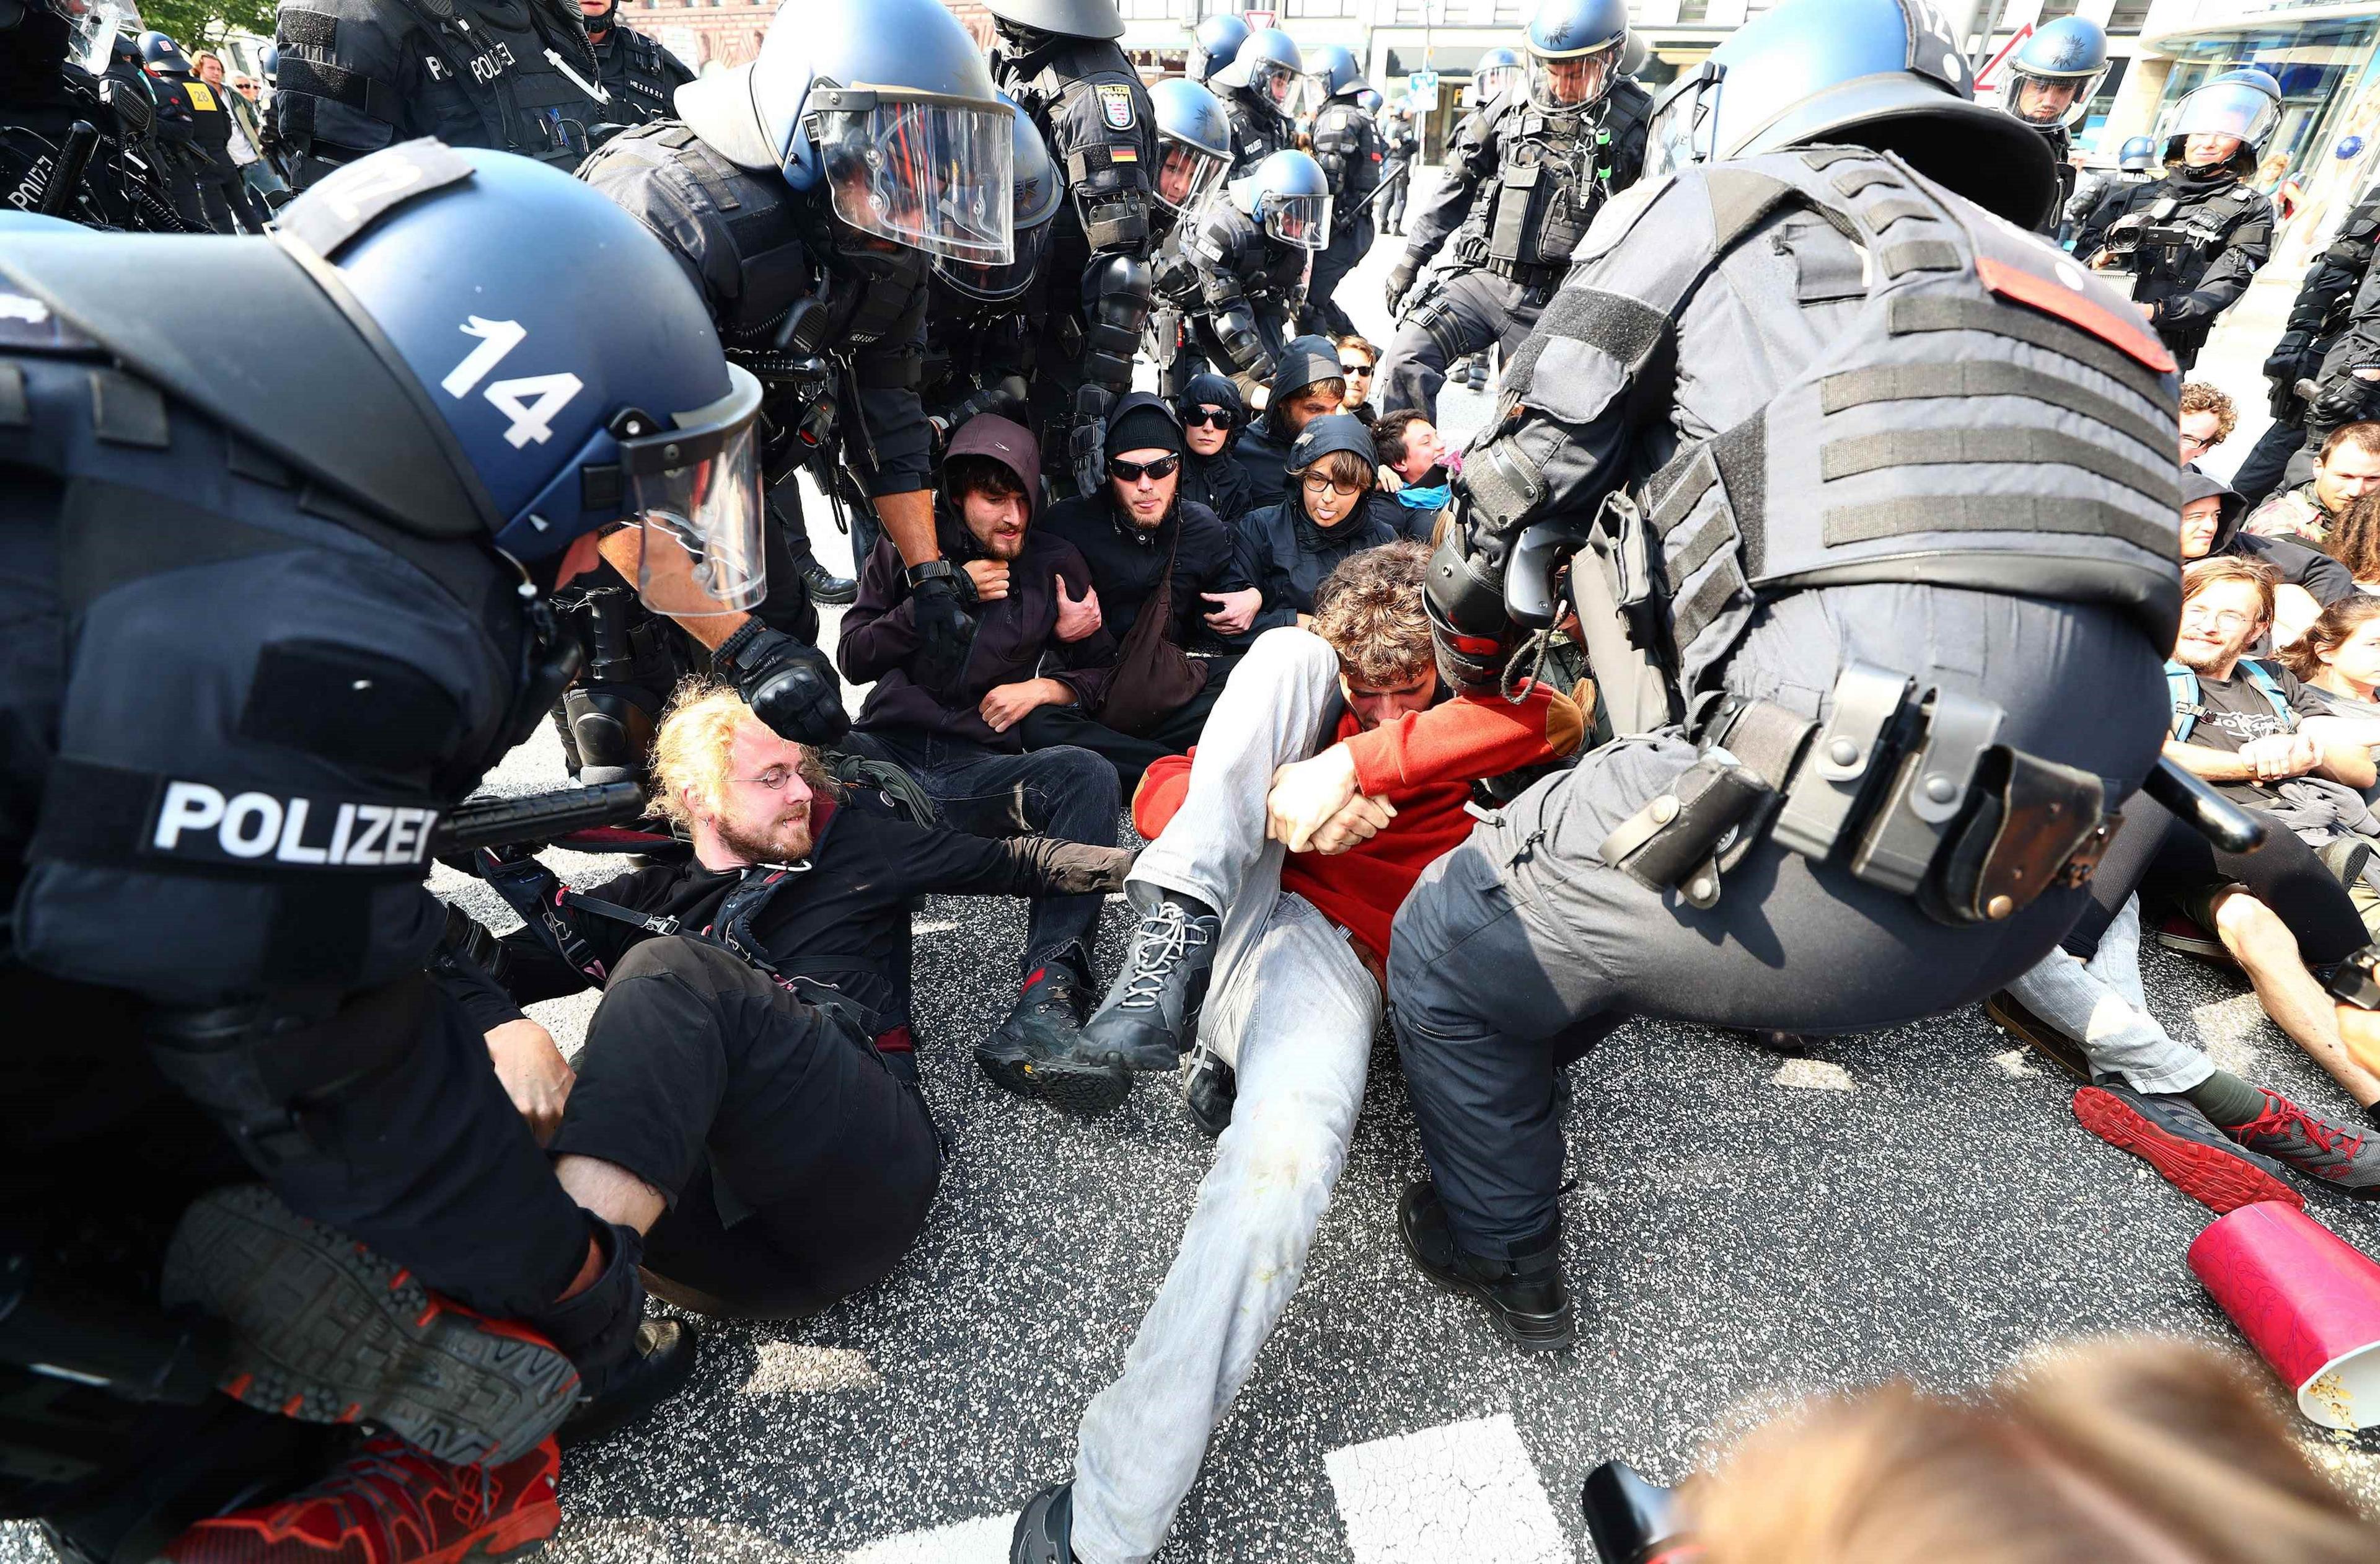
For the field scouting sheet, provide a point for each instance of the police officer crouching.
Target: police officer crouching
(2192, 240)
(638, 72)
(355, 74)
(1869, 505)
(1525, 178)
(261, 639)
(809, 213)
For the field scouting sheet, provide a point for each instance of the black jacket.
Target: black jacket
(1218, 483)
(1126, 564)
(1286, 555)
(2324, 578)
(840, 923)
(2226, 231)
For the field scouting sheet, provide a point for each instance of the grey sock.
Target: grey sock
(2227, 1099)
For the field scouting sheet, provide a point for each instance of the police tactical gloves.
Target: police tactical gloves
(945, 630)
(1401, 282)
(790, 687)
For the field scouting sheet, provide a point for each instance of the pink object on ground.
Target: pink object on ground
(2307, 1301)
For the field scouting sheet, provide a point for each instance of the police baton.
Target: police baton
(536, 817)
(2201, 808)
(65, 176)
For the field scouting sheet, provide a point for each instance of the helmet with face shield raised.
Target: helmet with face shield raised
(1270, 65)
(2244, 105)
(2052, 73)
(1499, 70)
(1215, 45)
(884, 107)
(568, 416)
(1194, 143)
(1334, 71)
(1574, 51)
(1039, 192)
(1288, 197)
(82, 33)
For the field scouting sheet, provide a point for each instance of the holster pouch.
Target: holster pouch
(2028, 824)
(1670, 844)
(2356, 980)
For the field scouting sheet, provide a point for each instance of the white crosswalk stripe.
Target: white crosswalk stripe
(1467, 1490)
(983, 1541)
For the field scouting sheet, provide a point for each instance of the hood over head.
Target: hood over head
(2196, 484)
(1008, 442)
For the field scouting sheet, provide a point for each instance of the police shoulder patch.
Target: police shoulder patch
(1115, 104)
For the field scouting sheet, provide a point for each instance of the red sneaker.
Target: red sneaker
(2184, 1146)
(391, 1504)
(2288, 1134)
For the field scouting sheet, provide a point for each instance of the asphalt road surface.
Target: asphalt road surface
(1745, 1227)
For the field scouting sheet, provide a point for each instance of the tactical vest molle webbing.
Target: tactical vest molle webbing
(1552, 172)
(1348, 146)
(755, 222)
(1095, 117)
(1990, 416)
(637, 73)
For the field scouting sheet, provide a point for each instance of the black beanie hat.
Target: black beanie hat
(1143, 422)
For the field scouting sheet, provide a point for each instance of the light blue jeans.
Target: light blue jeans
(1296, 1009)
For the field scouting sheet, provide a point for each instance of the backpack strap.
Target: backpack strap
(2182, 686)
(2262, 677)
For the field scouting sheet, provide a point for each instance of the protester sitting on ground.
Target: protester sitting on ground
(2251, 729)
(1211, 476)
(1333, 774)
(2338, 658)
(2217, 1138)
(1288, 546)
(1357, 360)
(2308, 580)
(1421, 466)
(1306, 384)
(747, 1094)
(1034, 607)
(2349, 466)
(2208, 417)
(1148, 546)
(2355, 540)
(2114, 1452)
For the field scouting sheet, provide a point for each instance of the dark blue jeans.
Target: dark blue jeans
(1063, 791)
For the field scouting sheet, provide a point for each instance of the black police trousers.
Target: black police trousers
(1347, 252)
(798, 1163)
(1462, 313)
(1521, 947)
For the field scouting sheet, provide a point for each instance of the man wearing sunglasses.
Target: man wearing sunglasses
(1211, 476)
(1357, 359)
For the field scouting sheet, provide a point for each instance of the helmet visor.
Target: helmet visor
(998, 284)
(1303, 221)
(1186, 175)
(694, 491)
(1573, 81)
(929, 172)
(91, 26)
(1684, 123)
(2046, 100)
(2225, 108)
(1276, 84)
(1494, 82)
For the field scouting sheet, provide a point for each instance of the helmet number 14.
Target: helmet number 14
(530, 401)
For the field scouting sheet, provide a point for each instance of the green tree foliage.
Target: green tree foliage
(201, 24)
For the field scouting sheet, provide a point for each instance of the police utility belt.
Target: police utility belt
(1908, 790)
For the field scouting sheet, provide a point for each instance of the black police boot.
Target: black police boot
(1039, 1050)
(823, 584)
(1210, 1089)
(1045, 1533)
(1151, 1011)
(1527, 1298)
(656, 1368)
(326, 1330)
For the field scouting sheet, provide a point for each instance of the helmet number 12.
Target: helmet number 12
(530, 401)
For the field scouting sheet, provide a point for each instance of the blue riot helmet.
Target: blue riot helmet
(2244, 106)
(1039, 191)
(1193, 143)
(567, 418)
(1218, 42)
(1289, 196)
(1067, 18)
(1334, 71)
(1370, 99)
(2139, 155)
(163, 55)
(1574, 51)
(268, 62)
(1269, 64)
(2052, 73)
(888, 107)
(1884, 74)
(1498, 69)
(1635, 53)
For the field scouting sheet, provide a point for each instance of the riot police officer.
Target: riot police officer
(2328, 301)
(1214, 44)
(173, 130)
(55, 73)
(1060, 60)
(810, 214)
(637, 71)
(2051, 77)
(1351, 149)
(205, 156)
(1194, 139)
(1239, 274)
(2192, 240)
(1259, 91)
(261, 640)
(516, 74)
(1499, 71)
(1879, 660)
(1525, 176)
(983, 322)
(1403, 150)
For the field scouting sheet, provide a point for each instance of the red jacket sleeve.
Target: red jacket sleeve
(1159, 797)
(1467, 739)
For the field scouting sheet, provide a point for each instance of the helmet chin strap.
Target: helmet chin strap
(598, 26)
